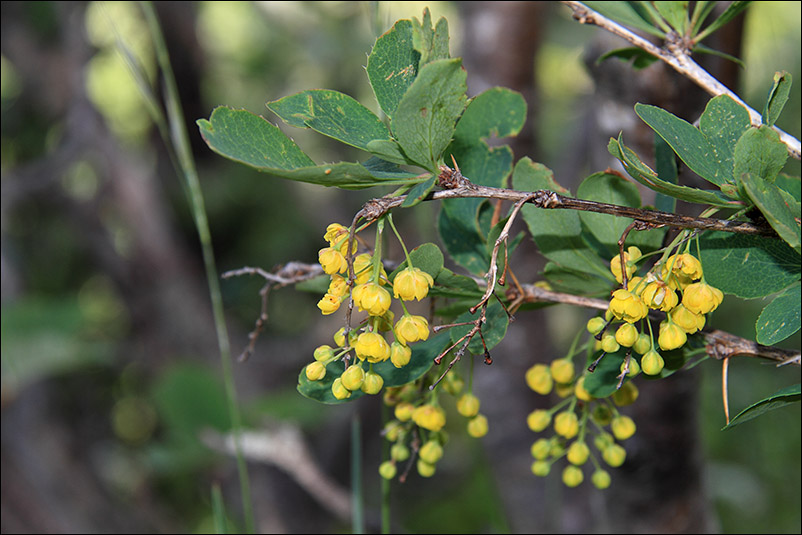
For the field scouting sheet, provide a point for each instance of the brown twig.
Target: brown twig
(676, 55)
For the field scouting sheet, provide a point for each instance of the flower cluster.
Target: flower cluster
(367, 283)
(569, 420)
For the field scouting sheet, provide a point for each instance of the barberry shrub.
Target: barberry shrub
(655, 278)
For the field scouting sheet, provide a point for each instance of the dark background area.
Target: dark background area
(110, 364)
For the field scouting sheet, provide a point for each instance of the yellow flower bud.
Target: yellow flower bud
(399, 452)
(431, 452)
(632, 254)
(412, 283)
(541, 448)
(614, 455)
(622, 427)
(353, 377)
(541, 468)
(595, 325)
(538, 420)
(315, 371)
(688, 321)
(626, 395)
(562, 370)
(387, 469)
(411, 329)
(400, 355)
(539, 379)
(603, 440)
(671, 336)
(642, 344)
(626, 335)
(372, 384)
(468, 405)
(339, 391)
(324, 353)
(580, 392)
(477, 426)
(609, 344)
(429, 417)
(335, 233)
(652, 363)
(572, 476)
(566, 424)
(578, 453)
(425, 469)
(600, 479)
(403, 411)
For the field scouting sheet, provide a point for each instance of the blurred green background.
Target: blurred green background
(109, 358)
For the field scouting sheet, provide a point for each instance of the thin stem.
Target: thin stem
(401, 241)
(678, 58)
(180, 140)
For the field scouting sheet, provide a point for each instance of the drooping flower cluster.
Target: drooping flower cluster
(367, 283)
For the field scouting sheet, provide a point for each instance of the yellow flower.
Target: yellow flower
(332, 261)
(632, 254)
(683, 265)
(688, 321)
(400, 354)
(329, 304)
(701, 298)
(429, 417)
(671, 336)
(658, 295)
(335, 233)
(372, 298)
(412, 283)
(411, 329)
(627, 306)
(338, 286)
(372, 346)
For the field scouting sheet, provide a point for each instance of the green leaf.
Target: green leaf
(240, 135)
(748, 266)
(723, 123)
(431, 43)
(425, 117)
(603, 381)
(499, 113)
(782, 213)
(419, 192)
(464, 242)
(250, 139)
(675, 13)
(759, 151)
(778, 96)
(427, 257)
(666, 163)
(332, 114)
(689, 143)
(388, 150)
(557, 233)
(608, 229)
(316, 285)
(640, 58)
(626, 14)
(643, 174)
(790, 185)
(449, 284)
(780, 319)
(493, 330)
(732, 11)
(702, 49)
(575, 282)
(393, 65)
(781, 398)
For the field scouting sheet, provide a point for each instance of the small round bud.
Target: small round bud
(626, 335)
(622, 427)
(425, 469)
(538, 377)
(400, 354)
(339, 391)
(538, 420)
(468, 405)
(403, 411)
(393, 430)
(541, 448)
(595, 325)
(353, 377)
(603, 440)
(609, 344)
(578, 453)
(572, 476)
(614, 455)
(387, 469)
(324, 353)
(652, 363)
(633, 367)
(642, 344)
(477, 426)
(541, 468)
(315, 371)
(671, 336)
(600, 479)
(453, 383)
(580, 392)
(372, 384)
(562, 370)
(566, 424)
(602, 415)
(431, 452)
(626, 395)
(399, 452)
(429, 417)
